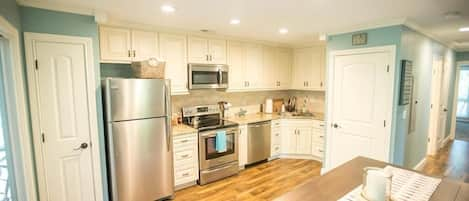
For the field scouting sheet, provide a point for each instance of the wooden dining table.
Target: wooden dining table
(339, 181)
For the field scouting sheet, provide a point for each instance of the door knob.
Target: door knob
(445, 110)
(336, 126)
(83, 145)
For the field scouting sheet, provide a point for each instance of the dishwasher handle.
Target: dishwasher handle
(259, 124)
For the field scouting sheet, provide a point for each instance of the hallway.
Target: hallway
(451, 161)
(462, 130)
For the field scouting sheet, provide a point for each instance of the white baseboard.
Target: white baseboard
(421, 164)
(445, 141)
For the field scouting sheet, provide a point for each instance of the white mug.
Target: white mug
(376, 184)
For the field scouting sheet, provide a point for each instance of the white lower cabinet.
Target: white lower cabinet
(276, 138)
(299, 137)
(243, 145)
(186, 160)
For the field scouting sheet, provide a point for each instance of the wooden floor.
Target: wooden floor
(259, 183)
(451, 161)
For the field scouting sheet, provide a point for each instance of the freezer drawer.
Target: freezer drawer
(259, 141)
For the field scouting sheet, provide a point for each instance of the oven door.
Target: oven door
(206, 76)
(208, 155)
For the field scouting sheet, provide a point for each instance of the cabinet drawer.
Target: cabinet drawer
(276, 137)
(184, 155)
(319, 125)
(275, 150)
(318, 138)
(185, 175)
(185, 139)
(275, 123)
(318, 151)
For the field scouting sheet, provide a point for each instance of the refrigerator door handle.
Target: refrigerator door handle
(168, 114)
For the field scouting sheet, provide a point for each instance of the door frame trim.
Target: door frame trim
(391, 49)
(24, 149)
(452, 134)
(30, 41)
(434, 117)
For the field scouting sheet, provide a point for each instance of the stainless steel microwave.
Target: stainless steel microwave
(208, 76)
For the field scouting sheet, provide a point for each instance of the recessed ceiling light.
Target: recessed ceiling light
(235, 21)
(168, 9)
(283, 30)
(464, 29)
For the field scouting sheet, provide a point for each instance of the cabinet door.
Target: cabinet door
(254, 72)
(315, 76)
(115, 44)
(302, 68)
(270, 69)
(144, 45)
(173, 51)
(291, 141)
(304, 141)
(198, 50)
(284, 67)
(217, 51)
(237, 66)
(243, 145)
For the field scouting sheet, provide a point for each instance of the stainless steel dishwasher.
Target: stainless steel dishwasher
(258, 141)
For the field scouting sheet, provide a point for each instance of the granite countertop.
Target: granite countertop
(252, 118)
(181, 129)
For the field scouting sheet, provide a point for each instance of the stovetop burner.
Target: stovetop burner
(205, 118)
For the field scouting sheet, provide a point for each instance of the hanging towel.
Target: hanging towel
(220, 141)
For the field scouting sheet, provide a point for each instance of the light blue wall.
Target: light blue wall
(380, 37)
(462, 56)
(52, 22)
(9, 10)
(421, 49)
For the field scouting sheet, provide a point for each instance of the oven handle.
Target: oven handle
(213, 134)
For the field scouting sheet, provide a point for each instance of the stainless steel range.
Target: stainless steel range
(213, 164)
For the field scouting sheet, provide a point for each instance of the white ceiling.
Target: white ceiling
(261, 19)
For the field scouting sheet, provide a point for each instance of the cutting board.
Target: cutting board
(277, 106)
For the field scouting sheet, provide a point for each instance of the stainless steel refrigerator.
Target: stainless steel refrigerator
(138, 139)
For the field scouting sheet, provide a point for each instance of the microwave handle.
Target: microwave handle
(220, 76)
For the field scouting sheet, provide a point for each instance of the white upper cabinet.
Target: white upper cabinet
(270, 68)
(283, 72)
(115, 44)
(254, 67)
(308, 68)
(237, 66)
(144, 45)
(173, 50)
(204, 50)
(120, 45)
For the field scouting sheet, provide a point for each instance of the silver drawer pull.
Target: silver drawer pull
(276, 148)
(185, 156)
(184, 141)
(322, 125)
(321, 136)
(320, 150)
(185, 174)
(277, 134)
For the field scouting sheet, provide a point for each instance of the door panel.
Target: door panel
(217, 51)
(236, 61)
(63, 112)
(145, 45)
(198, 50)
(115, 44)
(142, 159)
(173, 50)
(128, 98)
(360, 96)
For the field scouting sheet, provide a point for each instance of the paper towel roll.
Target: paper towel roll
(268, 106)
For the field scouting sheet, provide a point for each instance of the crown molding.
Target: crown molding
(56, 7)
(412, 25)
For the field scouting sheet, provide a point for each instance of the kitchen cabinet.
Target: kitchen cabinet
(243, 146)
(120, 45)
(298, 137)
(237, 66)
(270, 68)
(308, 68)
(185, 157)
(275, 139)
(204, 50)
(283, 70)
(173, 50)
(254, 75)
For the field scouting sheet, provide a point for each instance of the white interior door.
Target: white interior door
(63, 118)
(361, 95)
(436, 123)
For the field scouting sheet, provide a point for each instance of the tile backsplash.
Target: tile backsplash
(248, 100)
